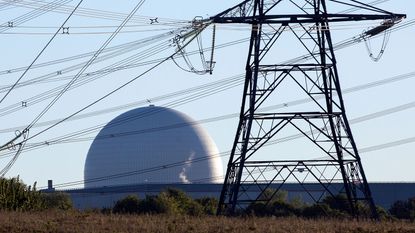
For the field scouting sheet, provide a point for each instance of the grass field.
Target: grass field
(69, 221)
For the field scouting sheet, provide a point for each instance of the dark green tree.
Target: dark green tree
(57, 200)
(209, 205)
(170, 201)
(403, 209)
(273, 203)
(127, 205)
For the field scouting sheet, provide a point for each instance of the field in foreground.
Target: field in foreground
(93, 222)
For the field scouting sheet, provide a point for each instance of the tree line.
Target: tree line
(17, 196)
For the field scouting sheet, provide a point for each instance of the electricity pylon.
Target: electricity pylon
(325, 154)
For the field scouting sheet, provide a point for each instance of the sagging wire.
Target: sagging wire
(122, 47)
(86, 66)
(17, 148)
(191, 34)
(369, 49)
(24, 135)
(40, 53)
(75, 136)
(382, 28)
(101, 14)
(338, 46)
(42, 9)
(89, 77)
(198, 24)
(209, 157)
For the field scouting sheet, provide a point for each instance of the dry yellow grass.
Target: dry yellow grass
(43, 222)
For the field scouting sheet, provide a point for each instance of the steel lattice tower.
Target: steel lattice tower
(322, 123)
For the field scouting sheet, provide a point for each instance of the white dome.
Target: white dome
(152, 145)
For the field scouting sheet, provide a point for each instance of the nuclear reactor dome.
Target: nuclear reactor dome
(152, 145)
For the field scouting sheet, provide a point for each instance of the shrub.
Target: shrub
(322, 210)
(383, 214)
(283, 209)
(151, 205)
(274, 203)
(15, 195)
(272, 195)
(260, 209)
(338, 202)
(159, 204)
(276, 208)
(209, 205)
(127, 205)
(403, 209)
(180, 203)
(170, 201)
(57, 200)
(166, 204)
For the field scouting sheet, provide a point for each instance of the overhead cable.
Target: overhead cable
(40, 53)
(42, 9)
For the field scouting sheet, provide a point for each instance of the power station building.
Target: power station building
(152, 145)
(149, 149)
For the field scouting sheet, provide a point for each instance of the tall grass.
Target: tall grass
(73, 221)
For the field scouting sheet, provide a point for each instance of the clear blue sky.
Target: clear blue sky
(65, 162)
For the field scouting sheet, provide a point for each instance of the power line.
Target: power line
(201, 159)
(45, 110)
(340, 45)
(337, 46)
(210, 87)
(100, 14)
(40, 10)
(127, 46)
(90, 61)
(66, 139)
(40, 53)
(88, 77)
(282, 105)
(193, 32)
(24, 133)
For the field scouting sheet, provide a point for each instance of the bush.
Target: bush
(272, 195)
(283, 209)
(209, 205)
(127, 205)
(276, 208)
(170, 201)
(274, 203)
(179, 203)
(403, 209)
(151, 205)
(185, 203)
(383, 214)
(259, 209)
(57, 200)
(338, 202)
(16, 196)
(322, 210)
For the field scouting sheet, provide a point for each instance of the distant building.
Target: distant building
(146, 150)
(152, 145)
(384, 194)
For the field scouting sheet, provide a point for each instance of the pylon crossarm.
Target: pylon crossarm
(306, 18)
(251, 11)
